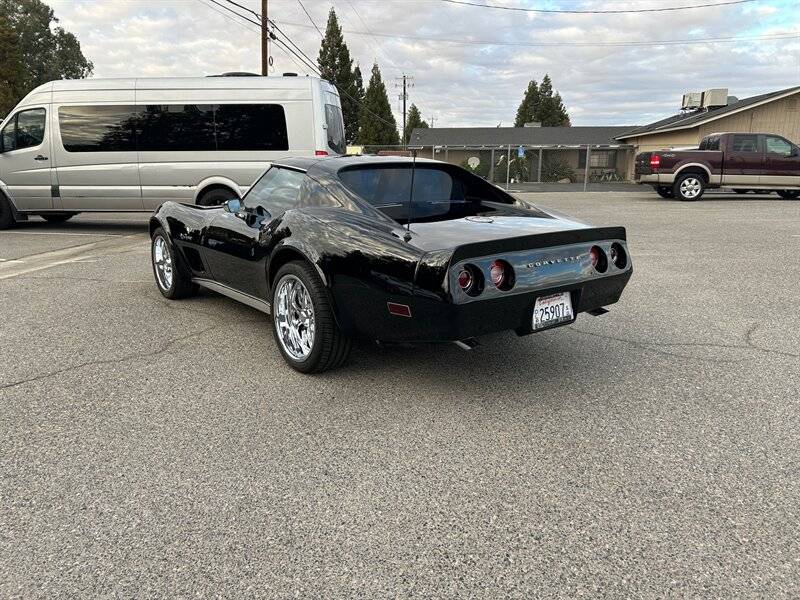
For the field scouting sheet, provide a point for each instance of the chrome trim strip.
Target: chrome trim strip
(223, 289)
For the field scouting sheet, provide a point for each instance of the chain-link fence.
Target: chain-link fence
(530, 167)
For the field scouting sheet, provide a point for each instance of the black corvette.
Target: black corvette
(389, 249)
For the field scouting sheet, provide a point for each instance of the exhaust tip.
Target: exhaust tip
(467, 344)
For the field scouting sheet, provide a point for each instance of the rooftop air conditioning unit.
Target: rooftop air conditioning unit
(716, 97)
(692, 100)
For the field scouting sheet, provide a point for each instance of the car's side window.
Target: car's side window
(776, 145)
(276, 192)
(745, 143)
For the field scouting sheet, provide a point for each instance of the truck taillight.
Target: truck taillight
(321, 153)
(655, 160)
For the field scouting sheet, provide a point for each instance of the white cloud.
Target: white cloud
(464, 84)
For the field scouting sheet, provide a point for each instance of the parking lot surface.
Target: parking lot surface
(152, 448)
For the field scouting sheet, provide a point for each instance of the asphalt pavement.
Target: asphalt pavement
(151, 448)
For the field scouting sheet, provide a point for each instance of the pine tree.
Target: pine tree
(376, 123)
(336, 66)
(551, 111)
(526, 113)
(11, 72)
(413, 121)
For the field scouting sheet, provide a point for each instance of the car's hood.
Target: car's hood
(442, 235)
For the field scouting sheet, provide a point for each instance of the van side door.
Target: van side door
(781, 162)
(25, 159)
(96, 160)
(743, 160)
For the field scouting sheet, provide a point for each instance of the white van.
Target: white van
(130, 144)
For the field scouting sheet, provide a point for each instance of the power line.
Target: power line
(300, 2)
(241, 16)
(778, 36)
(594, 12)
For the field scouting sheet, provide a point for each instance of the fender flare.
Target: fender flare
(307, 253)
(694, 164)
(218, 180)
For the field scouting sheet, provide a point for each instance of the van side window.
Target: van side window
(24, 130)
(276, 192)
(745, 143)
(177, 127)
(251, 127)
(98, 128)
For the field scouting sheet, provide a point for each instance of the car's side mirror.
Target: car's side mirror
(233, 205)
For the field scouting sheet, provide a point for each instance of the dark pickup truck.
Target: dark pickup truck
(741, 161)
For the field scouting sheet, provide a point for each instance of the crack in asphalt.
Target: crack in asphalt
(658, 347)
(133, 356)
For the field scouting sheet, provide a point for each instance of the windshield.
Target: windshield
(439, 194)
(335, 123)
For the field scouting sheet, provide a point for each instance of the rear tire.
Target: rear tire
(298, 293)
(216, 196)
(664, 191)
(172, 278)
(789, 194)
(56, 218)
(6, 216)
(689, 187)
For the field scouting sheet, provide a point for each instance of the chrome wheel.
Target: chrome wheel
(691, 187)
(294, 317)
(162, 260)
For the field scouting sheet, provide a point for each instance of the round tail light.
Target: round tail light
(502, 275)
(465, 280)
(598, 258)
(618, 256)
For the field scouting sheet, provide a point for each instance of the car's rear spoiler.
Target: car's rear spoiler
(539, 240)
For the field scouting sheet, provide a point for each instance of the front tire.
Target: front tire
(664, 191)
(305, 330)
(6, 216)
(172, 278)
(689, 187)
(56, 218)
(789, 194)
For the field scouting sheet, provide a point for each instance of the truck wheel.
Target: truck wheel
(789, 194)
(6, 216)
(664, 191)
(305, 331)
(173, 279)
(689, 187)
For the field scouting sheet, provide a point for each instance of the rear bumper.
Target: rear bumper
(434, 320)
(655, 178)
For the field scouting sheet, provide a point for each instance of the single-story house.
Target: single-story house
(775, 112)
(487, 150)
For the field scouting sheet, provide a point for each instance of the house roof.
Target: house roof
(516, 136)
(697, 118)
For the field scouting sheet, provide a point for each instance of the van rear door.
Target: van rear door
(332, 139)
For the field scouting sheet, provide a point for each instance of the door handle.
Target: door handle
(39, 157)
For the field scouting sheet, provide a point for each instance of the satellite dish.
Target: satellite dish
(473, 162)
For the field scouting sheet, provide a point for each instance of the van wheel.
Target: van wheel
(216, 196)
(57, 217)
(664, 191)
(6, 216)
(689, 187)
(305, 331)
(789, 194)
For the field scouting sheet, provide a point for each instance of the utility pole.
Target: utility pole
(432, 119)
(264, 39)
(407, 83)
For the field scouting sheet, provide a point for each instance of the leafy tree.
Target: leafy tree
(376, 123)
(541, 105)
(413, 121)
(10, 67)
(47, 52)
(336, 66)
(526, 113)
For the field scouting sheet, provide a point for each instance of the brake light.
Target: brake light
(598, 258)
(498, 273)
(465, 280)
(321, 153)
(655, 161)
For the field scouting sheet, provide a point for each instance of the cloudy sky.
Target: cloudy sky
(471, 64)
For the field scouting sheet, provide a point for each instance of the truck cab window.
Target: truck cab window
(745, 143)
(776, 145)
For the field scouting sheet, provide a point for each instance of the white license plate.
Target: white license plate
(552, 310)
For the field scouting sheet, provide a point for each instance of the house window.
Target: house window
(598, 159)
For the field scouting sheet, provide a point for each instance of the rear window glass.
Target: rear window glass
(745, 143)
(335, 123)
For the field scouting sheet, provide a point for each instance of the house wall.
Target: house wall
(781, 117)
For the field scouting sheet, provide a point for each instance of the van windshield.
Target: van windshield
(335, 123)
(439, 194)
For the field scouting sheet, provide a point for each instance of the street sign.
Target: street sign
(521, 152)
